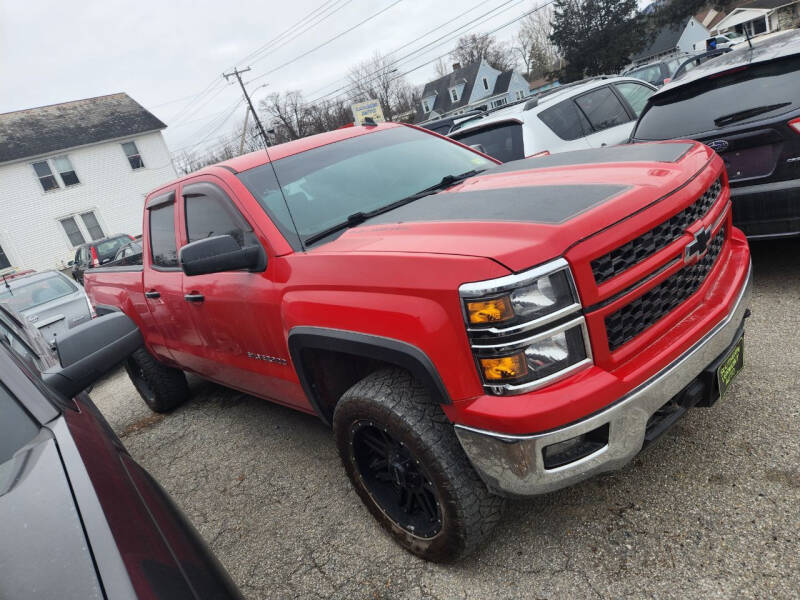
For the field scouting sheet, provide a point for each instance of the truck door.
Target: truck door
(237, 313)
(175, 336)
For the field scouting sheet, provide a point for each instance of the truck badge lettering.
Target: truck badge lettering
(267, 358)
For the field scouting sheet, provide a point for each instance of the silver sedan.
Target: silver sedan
(49, 301)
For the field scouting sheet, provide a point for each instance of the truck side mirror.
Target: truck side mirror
(220, 253)
(90, 350)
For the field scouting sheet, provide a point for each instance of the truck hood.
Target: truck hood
(525, 212)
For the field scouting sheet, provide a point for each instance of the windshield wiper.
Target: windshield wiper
(359, 217)
(746, 114)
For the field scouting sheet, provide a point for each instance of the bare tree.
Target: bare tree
(441, 67)
(534, 46)
(289, 111)
(378, 78)
(474, 46)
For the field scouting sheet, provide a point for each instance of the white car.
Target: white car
(587, 114)
(725, 40)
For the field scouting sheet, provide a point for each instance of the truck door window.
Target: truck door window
(603, 109)
(162, 233)
(210, 212)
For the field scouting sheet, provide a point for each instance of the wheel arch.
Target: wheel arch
(308, 343)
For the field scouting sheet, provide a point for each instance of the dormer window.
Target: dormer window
(454, 94)
(426, 107)
(485, 84)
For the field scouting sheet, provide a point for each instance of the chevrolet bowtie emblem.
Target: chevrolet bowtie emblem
(697, 248)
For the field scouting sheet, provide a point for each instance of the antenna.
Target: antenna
(238, 73)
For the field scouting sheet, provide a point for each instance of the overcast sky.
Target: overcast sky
(165, 53)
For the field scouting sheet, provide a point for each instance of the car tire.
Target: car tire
(405, 462)
(161, 387)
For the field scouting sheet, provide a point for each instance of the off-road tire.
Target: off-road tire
(161, 387)
(392, 400)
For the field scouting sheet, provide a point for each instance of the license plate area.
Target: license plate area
(730, 367)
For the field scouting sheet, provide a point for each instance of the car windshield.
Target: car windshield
(704, 105)
(23, 294)
(502, 141)
(324, 186)
(108, 248)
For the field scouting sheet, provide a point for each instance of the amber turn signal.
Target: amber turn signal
(490, 311)
(506, 367)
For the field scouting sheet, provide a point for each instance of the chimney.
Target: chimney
(456, 67)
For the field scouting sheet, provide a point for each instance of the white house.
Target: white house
(75, 172)
(476, 85)
(756, 17)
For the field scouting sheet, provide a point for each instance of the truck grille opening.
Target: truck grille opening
(662, 235)
(634, 318)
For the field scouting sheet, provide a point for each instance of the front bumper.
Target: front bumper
(514, 465)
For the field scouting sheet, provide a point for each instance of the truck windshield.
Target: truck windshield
(712, 102)
(325, 185)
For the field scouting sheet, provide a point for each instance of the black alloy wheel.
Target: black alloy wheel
(396, 480)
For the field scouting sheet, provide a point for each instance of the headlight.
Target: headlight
(525, 329)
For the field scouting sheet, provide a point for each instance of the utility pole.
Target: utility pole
(244, 131)
(236, 72)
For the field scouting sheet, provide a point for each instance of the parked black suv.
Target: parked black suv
(746, 106)
(97, 252)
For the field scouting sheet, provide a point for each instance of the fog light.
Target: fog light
(575, 448)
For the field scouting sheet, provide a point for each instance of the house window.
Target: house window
(45, 175)
(499, 102)
(454, 94)
(425, 106)
(485, 84)
(73, 232)
(519, 94)
(92, 226)
(65, 169)
(132, 152)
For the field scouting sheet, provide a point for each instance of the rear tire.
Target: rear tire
(161, 387)
(406, 464)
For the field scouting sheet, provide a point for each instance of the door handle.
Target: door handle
(152, 294)
(194, 297)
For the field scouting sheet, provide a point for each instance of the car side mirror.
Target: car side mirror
(90, 350)
(220, 253)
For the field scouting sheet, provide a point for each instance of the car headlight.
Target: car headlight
(526, 329)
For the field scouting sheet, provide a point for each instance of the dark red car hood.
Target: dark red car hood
(526, 212)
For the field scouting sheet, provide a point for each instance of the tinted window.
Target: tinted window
(635, 94)
(17, 428)
(731, 99)
(603, 109)
(24, 294)
(502, 141)
(162, 233)
(566, 121)
(324, 185)
(108, 249)
(210, 212)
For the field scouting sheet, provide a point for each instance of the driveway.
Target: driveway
(712, 510)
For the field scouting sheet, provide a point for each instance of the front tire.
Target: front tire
(406, 464)
(161, 387)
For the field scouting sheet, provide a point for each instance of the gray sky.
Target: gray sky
(56, 51)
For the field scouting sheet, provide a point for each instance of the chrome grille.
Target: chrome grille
(624, 257)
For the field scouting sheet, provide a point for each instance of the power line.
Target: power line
(326, 42)
(432, 44)
(238, 74)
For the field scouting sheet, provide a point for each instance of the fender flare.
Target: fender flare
(389, 350)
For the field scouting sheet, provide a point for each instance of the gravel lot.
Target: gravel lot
(712, 510)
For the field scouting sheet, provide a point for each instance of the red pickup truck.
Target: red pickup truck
(471, 330)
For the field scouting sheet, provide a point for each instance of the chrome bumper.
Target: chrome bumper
(513, 465)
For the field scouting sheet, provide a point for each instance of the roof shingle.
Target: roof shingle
(47, 129)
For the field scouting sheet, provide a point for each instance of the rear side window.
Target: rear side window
(745, 94)
(635, 95)
(603, 109)
(566, 121)
(651, 74)
(109, 248)
(502, 141)
(162, 231)
(210, 212)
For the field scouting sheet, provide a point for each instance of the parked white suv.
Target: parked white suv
(588, 114)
